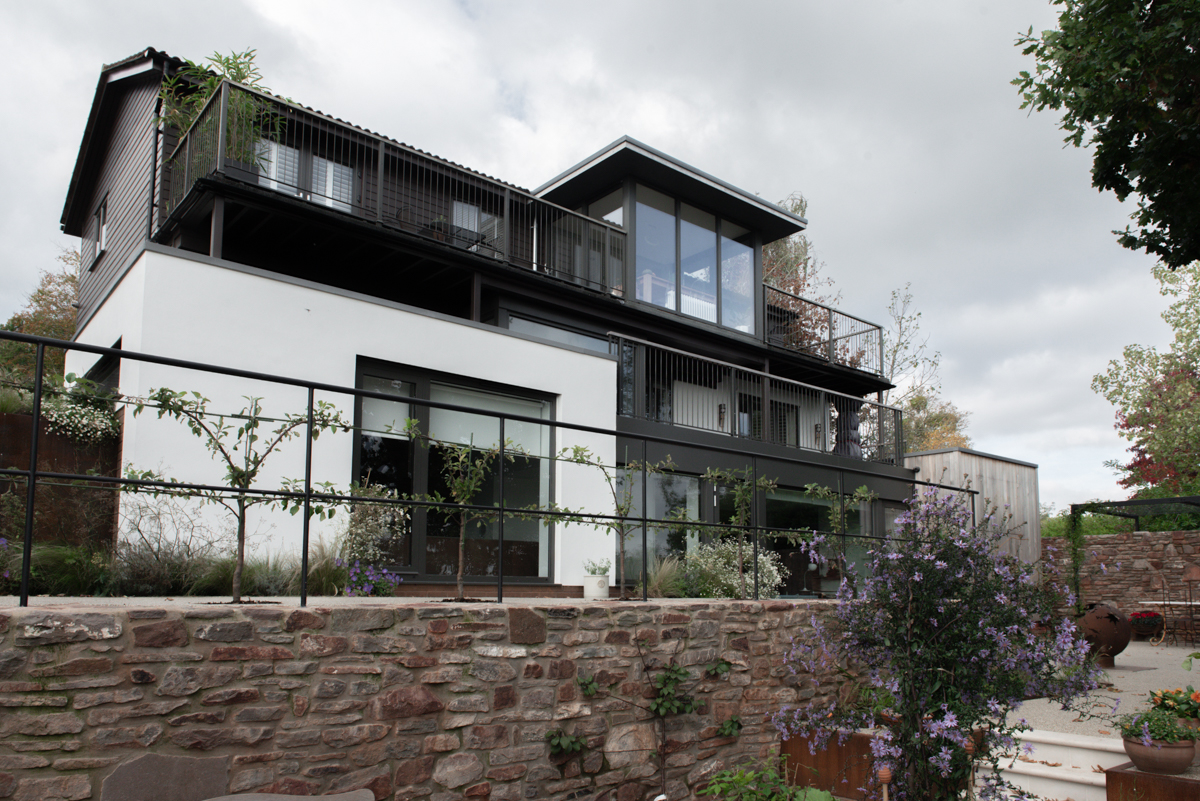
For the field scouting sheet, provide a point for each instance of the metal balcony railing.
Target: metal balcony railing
(277, 145)
(806, 326)
(665, 385)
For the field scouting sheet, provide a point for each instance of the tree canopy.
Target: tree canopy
(49, 312)
(1157, 395)
(1126, 77)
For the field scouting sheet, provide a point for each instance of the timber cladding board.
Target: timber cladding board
(404, 700)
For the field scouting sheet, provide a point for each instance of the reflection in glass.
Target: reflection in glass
(698, 259)
(737, 281)
(655, 248)
(526, 484)
(668, 495)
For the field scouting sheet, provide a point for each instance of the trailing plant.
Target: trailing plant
(241, 452)
(563, 743)
(943, 623)
(730, 727)
(588, 685)
(669, 699)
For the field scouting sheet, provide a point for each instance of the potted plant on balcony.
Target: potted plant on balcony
(1157, 742)
(595, 584)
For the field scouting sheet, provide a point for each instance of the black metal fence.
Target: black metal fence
(672, 386)
(307, 495)
(805, 326)
(276, 145)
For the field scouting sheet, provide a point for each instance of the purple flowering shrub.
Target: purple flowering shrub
(369, 580)
(943, 622)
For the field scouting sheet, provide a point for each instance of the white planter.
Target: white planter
(595, 588)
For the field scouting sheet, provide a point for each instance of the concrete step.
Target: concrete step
(1064, 766)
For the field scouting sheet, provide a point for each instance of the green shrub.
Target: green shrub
(73, 570)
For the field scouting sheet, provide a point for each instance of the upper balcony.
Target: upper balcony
(260, 141)
(276, 145)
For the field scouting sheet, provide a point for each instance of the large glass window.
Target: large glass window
(655, 248)
(668, 495)
(709, 276)
(427, 469)
(737, 278)
(698, 263)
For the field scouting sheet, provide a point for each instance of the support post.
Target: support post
(31, 485)
(307, 502)
(500, 545)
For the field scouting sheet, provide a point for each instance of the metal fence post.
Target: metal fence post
(31, 486)
(500, 532)
(645, 527)
(307, 502)
(222, 124)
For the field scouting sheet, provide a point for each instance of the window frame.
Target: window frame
(421, 380)
(100, 231)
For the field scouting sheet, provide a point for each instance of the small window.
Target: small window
(100, 231)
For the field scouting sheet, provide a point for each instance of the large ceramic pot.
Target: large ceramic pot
(1107, 630)
(1160, 757)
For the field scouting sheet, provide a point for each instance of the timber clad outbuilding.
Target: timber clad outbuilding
(625, 294)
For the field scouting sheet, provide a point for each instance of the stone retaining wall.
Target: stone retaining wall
(1135, 565)
(418, 701)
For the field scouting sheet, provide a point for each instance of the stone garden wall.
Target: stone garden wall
(419, 701)
(1136, 565)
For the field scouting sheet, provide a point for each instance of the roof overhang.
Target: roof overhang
(103, 103)
(627, 157)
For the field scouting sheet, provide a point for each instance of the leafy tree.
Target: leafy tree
(1157, 395)
(1127, 79)
(465, 469)
(239, 451)
(49, 312)
(931, 423)
(791, 264)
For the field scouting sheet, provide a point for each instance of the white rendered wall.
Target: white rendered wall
(177, 307)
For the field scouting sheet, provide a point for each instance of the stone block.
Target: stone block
(80, 666)
(208, 739)
(415, 771)
(526, 626)
(55, 628)
(165, 634)
(457, 769)
(241, 695)
(303, 619)
(362, 619)
(59, 788)
(405, 702)
(245, 653)
(152, 777)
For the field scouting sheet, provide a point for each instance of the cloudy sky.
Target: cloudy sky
(895, 118)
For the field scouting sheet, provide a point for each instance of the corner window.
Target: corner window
(693, 263)
(388, 457)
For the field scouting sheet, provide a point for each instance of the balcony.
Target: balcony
(665, 385)
(259, 140)
(805, 326)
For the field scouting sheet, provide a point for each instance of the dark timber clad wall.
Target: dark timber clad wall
(125, 177)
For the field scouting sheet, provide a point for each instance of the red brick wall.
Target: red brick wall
(1136, 565)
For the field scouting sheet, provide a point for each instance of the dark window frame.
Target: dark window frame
(421, 379)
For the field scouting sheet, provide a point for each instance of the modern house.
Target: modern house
(625, 294)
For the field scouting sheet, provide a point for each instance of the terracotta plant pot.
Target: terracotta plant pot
(1161, 757)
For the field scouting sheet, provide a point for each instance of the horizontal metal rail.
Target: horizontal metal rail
(639, 520)
(283, 147)
(666, 385)
(806, 326)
